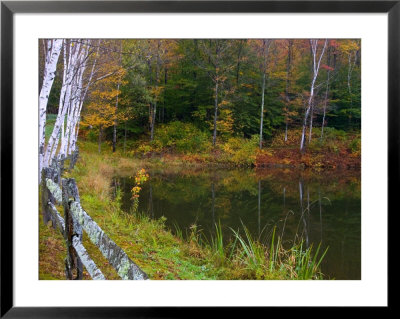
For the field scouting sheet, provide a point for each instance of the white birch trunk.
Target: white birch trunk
(52, 55)
(316, 65)
(325, 103)
(75, 126)
(71, 100)
(75, 101)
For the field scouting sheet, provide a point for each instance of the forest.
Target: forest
(216, 97)
(227, 158)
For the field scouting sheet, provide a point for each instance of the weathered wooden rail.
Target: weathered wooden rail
(64, 191)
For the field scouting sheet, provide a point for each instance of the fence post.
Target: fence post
(72, 228)
(74, 158)
(48, 173)
(45, 196)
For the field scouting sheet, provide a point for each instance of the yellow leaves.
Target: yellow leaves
(140, 178)
(156, 91)
(348, 46)
(99, 114)
(224, 103)
(225, 122)
(281, 75)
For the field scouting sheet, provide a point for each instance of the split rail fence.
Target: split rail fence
(57, 191)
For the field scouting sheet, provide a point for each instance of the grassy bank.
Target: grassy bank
(155, 249)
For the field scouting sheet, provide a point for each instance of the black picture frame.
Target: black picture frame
(9, 8)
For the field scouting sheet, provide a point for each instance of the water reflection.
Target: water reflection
(318, 208)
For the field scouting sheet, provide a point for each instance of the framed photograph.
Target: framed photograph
(175, 154)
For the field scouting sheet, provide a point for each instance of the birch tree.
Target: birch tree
(329, 69)
(75, 54)
(264, 49)
(74, 104)
(116, 104)
(53, 49)
(155, 89)
(77, 116)
(316, 62)
(288, 76)
(350, 48)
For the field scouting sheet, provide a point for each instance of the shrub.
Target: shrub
(330, 133)
(241, 151)
(183, 137)
(143, 149)
(355, 145)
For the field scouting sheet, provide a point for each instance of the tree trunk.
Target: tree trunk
(311, 123)
(238, 62)
(215, 113)
(71, 66)
(114, 144)
(325, 103)
(304, 129)
(75, 127)
(125, 138)
(116, 106)
(286, 129)
(262, 110)
(153, 120)
(52, 54)
(288, 67)
(316, 65)
(165, 85)
(264, 48)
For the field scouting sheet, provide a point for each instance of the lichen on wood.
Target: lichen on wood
(89, 264)
(57, 217)
(125, 267)
(81, 251)
(55, 190)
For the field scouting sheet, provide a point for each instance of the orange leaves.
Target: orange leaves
(326, 67)
(101, 109)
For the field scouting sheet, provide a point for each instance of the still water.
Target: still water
(318, 207)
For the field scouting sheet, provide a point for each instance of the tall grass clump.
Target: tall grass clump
(251, 253)
(306, 263)
(248, 258)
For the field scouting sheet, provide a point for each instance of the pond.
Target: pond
(317, 207)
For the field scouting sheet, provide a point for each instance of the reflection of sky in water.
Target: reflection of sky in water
(261, 201)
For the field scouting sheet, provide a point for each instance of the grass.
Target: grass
(50, 121)
(155, 249)
(52, 252)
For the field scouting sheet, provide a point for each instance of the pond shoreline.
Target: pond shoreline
(156, 250)
(293, 160)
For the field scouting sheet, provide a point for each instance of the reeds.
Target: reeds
(247, 257)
